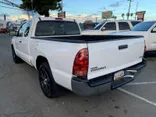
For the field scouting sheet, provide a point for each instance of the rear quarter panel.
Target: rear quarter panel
(60, 56)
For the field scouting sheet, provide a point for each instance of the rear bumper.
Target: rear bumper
(105, 83)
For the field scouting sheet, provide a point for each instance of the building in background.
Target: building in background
(62, 14)
(3, 26)
(140, 15)
(107, 14)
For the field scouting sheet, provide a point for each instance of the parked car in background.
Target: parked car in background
(146, 29)
(107, 27)
(14, 27)
(87, 26)
(3, 28)
(83, 64)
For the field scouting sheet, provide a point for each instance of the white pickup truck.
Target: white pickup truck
(108, 27)
(85, 65)
(146, 29)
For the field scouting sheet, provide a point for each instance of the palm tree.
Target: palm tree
(114, 17)
(123, 15)
(128, 14)
(131, 15)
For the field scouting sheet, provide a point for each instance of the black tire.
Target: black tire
(16, 59)
(49, 87)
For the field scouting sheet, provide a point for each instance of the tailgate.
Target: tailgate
(110, 56)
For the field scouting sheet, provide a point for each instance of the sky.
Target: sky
(89, 9)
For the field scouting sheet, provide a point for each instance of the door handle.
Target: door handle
(122, 47)
(20, 41)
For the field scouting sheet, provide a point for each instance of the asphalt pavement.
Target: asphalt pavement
(21, 96)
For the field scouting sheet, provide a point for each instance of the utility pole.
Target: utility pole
(62, 6)
(4, 17)
(129, 9)
(32, 4)
(96, 19)
(62, 13)
(32, 7)
(136, 9)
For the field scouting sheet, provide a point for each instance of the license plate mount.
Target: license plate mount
(119, 75)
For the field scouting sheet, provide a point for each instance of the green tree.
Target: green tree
(41, 6)
(114, 17)
(123, 15)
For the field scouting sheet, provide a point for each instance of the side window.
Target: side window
(26, 32)
(21, 30)
(124, 26)
(110, 26)
(153, 30)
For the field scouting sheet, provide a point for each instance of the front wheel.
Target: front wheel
(47, 83)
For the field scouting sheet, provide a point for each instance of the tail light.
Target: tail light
(145, 46)
(80, 66)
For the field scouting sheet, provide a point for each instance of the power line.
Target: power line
(10, 7)
(7, 2)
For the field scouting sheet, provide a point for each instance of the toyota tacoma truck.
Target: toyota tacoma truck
(86, 65)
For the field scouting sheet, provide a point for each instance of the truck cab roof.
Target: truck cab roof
(52, 18)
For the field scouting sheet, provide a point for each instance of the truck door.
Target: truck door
(25, 39)
(22, 41)
(19, 39)
(152, 39)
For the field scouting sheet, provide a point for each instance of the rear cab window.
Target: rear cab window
(54, 28)
(124, 26)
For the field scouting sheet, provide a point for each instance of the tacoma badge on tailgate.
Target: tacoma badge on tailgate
(96, 68)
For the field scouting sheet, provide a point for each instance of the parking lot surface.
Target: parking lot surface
(21, 96)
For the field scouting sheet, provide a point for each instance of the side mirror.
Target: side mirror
(103, 29)
(12, 33)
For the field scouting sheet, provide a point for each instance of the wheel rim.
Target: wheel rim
(44, 81)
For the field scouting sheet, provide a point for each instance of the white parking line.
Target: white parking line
(142, 83)
(137, 96)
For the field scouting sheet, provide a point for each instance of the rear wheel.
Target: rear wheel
(47, 83)
(16, 59)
